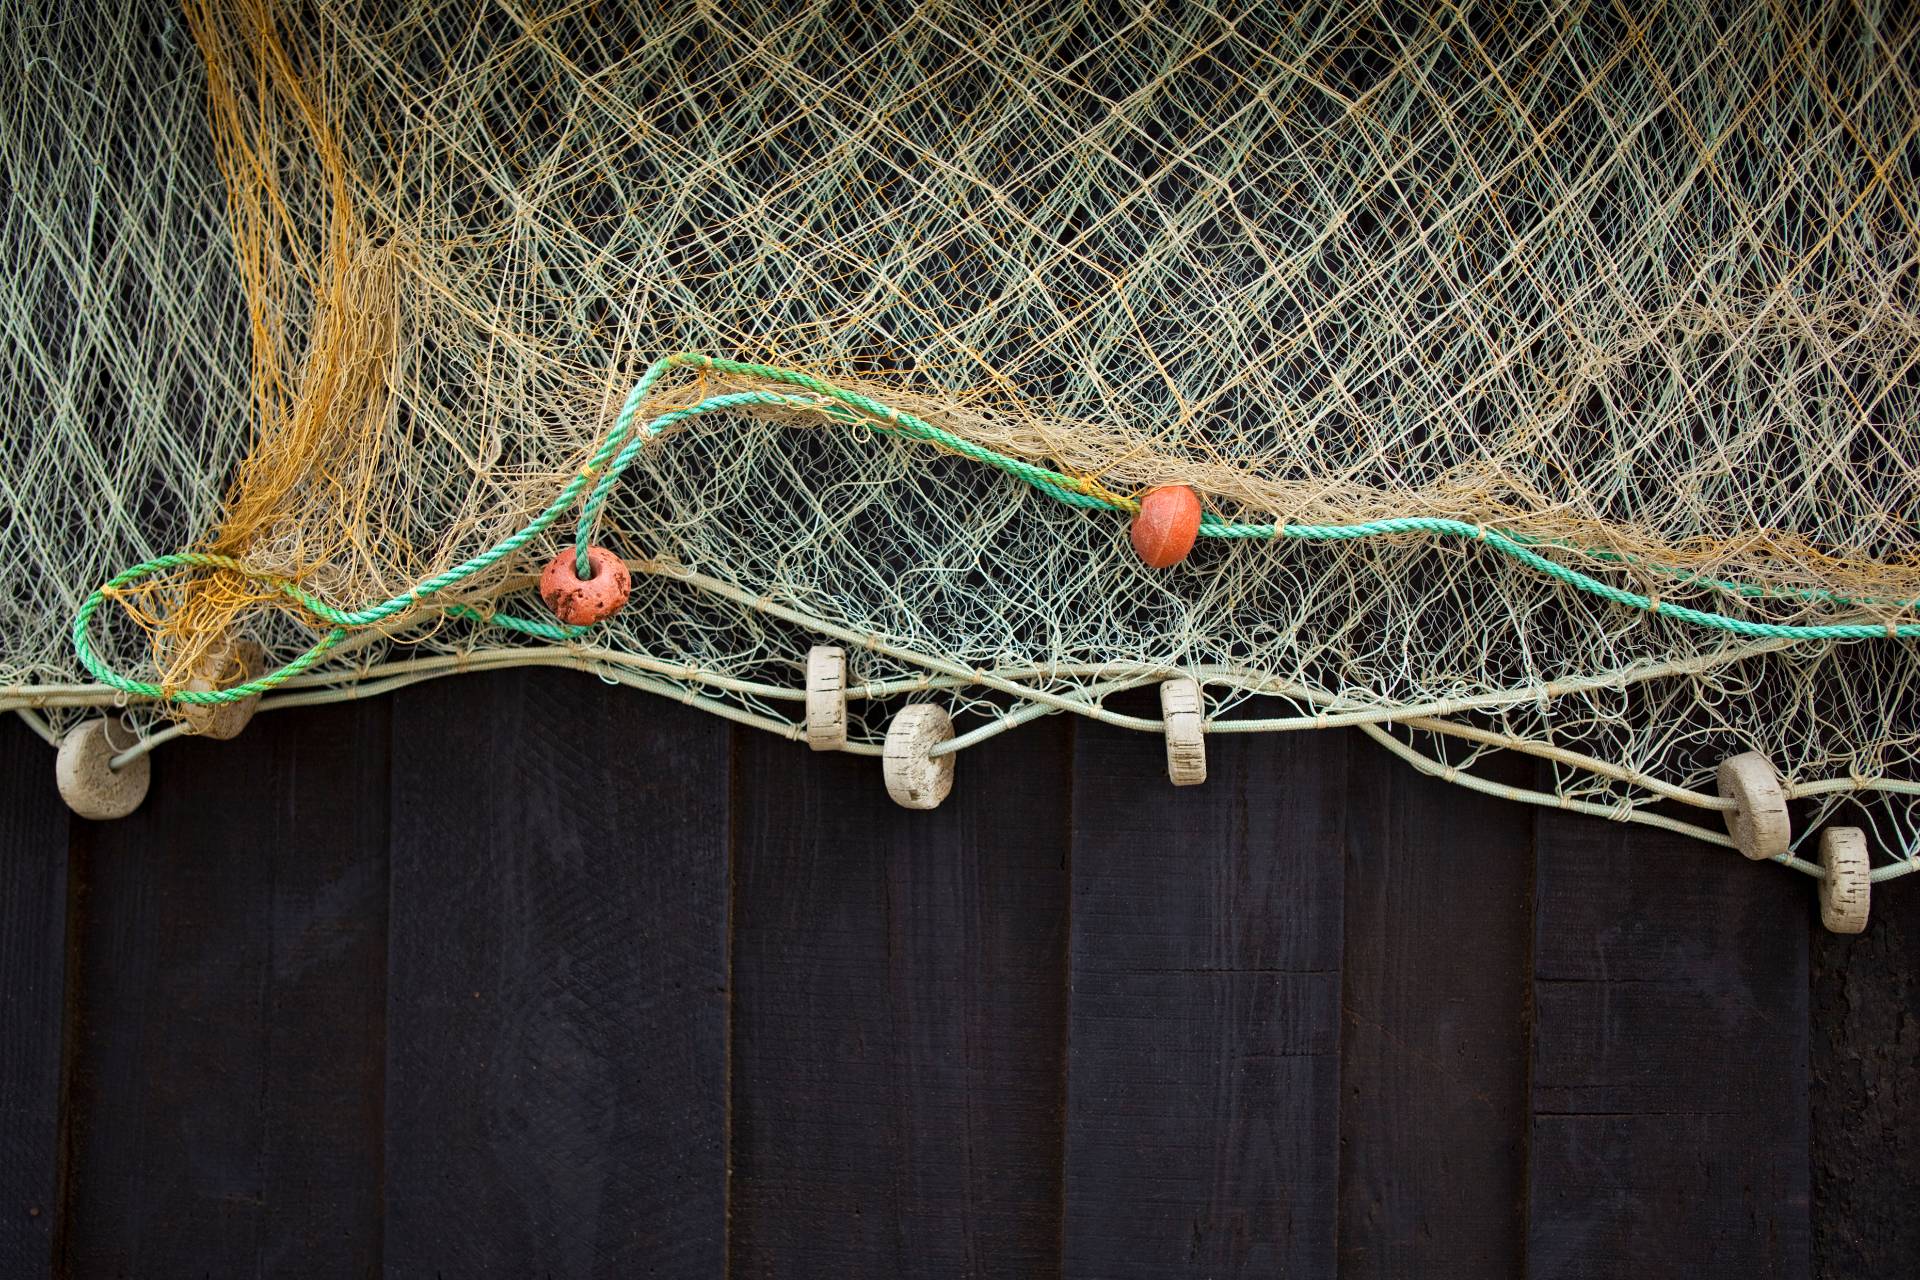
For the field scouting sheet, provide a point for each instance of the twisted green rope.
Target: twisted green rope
(622, 447)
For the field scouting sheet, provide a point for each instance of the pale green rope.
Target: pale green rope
(623, 444)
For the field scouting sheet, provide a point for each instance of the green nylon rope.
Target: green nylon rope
(622, 447)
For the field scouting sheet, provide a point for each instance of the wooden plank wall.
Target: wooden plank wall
(34, 834)
(226, 989)
(516, 974)
(1669, 1082)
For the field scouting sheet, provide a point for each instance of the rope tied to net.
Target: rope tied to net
(623, 444)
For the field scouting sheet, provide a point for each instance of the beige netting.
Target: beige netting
(351, 293)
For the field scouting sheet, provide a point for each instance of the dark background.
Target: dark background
(518, 974)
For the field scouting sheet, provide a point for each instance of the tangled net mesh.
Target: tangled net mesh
(350, 293)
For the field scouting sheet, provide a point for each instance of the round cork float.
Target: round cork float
(88, 783)
(1182, 714)
(230, 664)
(1758, 821)
(826, 697)
(1844, 894)
(1167, 525)
(581, 602)
(916, 780)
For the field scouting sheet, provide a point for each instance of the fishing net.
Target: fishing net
(1547, 375)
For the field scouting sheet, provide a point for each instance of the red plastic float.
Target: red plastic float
(1168, 523)
(581, 602)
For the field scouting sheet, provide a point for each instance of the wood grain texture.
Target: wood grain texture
(899, 1014)
(225, 1089)
(33, 955)
(1433, 1056)
(1203, 1059)
(557, 992)
(1669, 1089)
(1865, 1090)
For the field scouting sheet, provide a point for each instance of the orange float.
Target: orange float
(581, 602)
(1168, 523)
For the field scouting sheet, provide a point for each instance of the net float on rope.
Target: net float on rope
(1758, 821)
(915, 779)
(581, 602)
(1182, 715)
(826, 697)
(1166, 526)
(1846, 891)
(84, 772)
(231, 663)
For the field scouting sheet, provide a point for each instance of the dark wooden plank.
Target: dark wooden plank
(1865, 1071)
(225, 1084)
(556, 1082)
(1203, 1060)
(899, 1012)
(1433, 1060)
(33, 966)
(1669, 1133)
